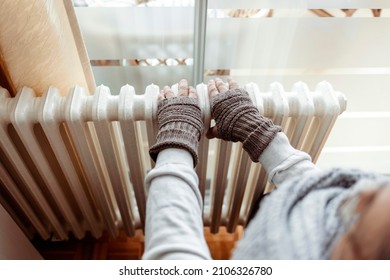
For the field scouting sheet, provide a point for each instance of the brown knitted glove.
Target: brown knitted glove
(238, 119)
(180, 126)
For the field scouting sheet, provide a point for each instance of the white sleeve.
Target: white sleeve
(282, 162)
(174, 224)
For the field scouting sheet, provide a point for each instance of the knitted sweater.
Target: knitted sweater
(299, 220)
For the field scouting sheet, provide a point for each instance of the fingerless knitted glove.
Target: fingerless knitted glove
(180, 126)
(238, 119)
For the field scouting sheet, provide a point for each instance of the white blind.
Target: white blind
(306, 4)
(129, 33)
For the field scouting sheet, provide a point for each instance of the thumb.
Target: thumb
(212, 132)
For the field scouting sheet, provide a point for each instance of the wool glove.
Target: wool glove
(180, 126)
(238, 119)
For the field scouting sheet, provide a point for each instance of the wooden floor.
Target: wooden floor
(126, 248)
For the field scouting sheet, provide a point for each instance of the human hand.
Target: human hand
(216, 87)
(179, 121)
(183, 90)
(237, 119)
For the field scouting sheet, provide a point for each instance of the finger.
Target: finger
(222, 87)
(212, 89)
(192, 93)
(183, 88)
(232, 84)
(160, 96)
(168, 93)
(212, 133)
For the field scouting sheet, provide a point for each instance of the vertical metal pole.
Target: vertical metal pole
(200, 24)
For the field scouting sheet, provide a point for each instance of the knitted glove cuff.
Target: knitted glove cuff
(180, 126)
(239, 120)
(258, 140)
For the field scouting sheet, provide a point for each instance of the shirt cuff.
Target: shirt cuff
(281, 160)
(174, 156)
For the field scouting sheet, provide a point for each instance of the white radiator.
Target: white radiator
(76, 163)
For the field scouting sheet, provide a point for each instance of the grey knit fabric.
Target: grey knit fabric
(302, 220)
(180, 126)
(238, 119)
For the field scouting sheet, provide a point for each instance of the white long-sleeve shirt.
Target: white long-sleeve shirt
(174, 225)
